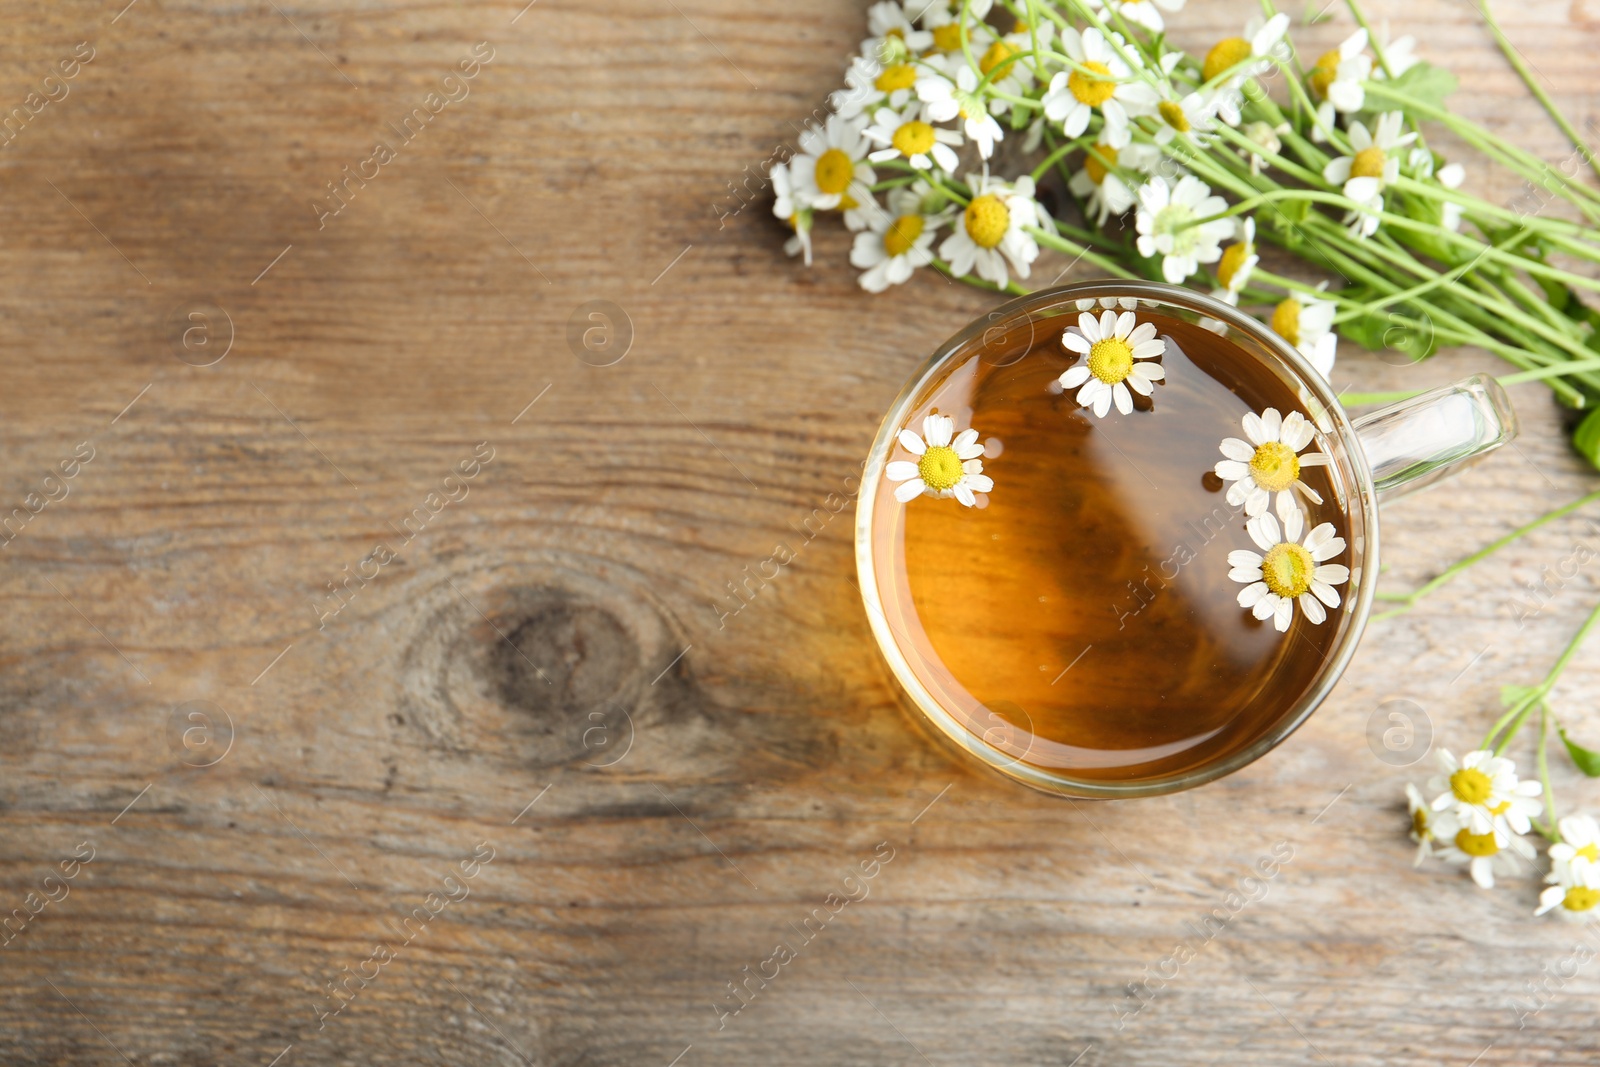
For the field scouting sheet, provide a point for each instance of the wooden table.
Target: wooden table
(547, 669)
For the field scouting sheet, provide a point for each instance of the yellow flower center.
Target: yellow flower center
(913, 138)
(834, 171)
(1588, 852)
(1500, 808)
(1096, 169)
(847, 203)
(1419, 823)
(1368, 163)
(940, 467)
(987, 220)
(902, 234)
(1476, 844)
(1173, 116)
(997, 54)
(1274, 467)
(1225, 55)
(1110, 360)
(1232, 263)
(899, 76)
(1091, 91)
(1581, 898)
(1287, 569)
(1286, 320)
(1471, 785)
(1322, 75)
(947, 38)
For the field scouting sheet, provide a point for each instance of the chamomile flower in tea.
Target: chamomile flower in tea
(1292, 571)
(946, 466)
(1270, 460)
(1116, 351)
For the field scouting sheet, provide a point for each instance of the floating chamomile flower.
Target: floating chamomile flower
(1169, 225)
(991, 233)
(1101, 79)
(897, 241)
(1103, 193)
(1307, 324)
(831, 165)
(905, 135)
(1485, 854)
(1336, 80)
(1238, 260)
(1578, 851)
(1483, 792)
(1292, 571)
(785, 207)
(1373, 165)
(1421, 824)
(1116, 350)
(946, 99)
(1269, 462)
(944, 467)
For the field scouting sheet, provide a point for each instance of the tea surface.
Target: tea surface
(1083, 618)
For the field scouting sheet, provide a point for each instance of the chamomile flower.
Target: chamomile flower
(946, 98)
(1336, 80)
(1483, 792)
(1578, 900)
(904, 135)
(870, 85)
(1116, 350)
(1292, 571)
(1399, 54)
(894, 38)
(1307, 324)
(897, 242)
(1269, 462)
(1146, 13)
(1485, 854)
(943, 18)
(1373, 164)
(1238, 260)
(1100, 79)
(1578, 851)
(991, 234)
(997, 57)
(1192, 115)
(1422, 824)
(1169, 227)
(1249, 55)
(1451, 175)
(945, 467)
(831, 165)
(1104, 193)
(787, 208)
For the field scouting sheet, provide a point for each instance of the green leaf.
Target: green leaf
(1586, 438)
(1588, 761)
(1427, 85)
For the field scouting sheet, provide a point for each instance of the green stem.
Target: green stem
(1520, 65)
(1539, 692)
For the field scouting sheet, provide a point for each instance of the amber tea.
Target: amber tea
(1119, 556)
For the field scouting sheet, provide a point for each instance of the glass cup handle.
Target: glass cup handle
(1412, 444)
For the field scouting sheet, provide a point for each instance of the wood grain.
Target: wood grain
(746, 764)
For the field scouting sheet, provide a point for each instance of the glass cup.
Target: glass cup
(1371, 459)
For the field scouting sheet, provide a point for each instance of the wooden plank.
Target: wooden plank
(585, 573)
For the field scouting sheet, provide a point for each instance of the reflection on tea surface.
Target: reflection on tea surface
(1083, 618)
